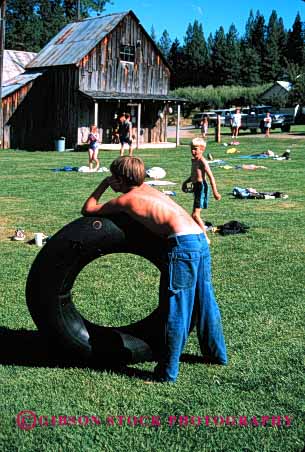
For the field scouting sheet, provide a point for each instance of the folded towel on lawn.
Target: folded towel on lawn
(159, 182)
(65, 168)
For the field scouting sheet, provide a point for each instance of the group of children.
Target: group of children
(185, 284)
(123, 132)
(236, 123)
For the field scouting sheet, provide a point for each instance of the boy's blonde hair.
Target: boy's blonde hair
(130, 169)
(198, 142)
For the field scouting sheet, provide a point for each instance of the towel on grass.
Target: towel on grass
(252, 193)
(159, 182)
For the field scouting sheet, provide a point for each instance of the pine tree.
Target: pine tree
(165, 43)
(250, 69)
(70, 8)
(209, 64)
(232, 63)
(177, 61)
(22, 26)
(51, 19)
(249, 28)
(218, 57)
(153, 34)
(295, 43)
(258, 32)
(31, 24)
(253, 46)
(196, 53)
(272, 65)
(282, 41)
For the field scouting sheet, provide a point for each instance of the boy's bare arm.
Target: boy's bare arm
(209, 173)
(92, 207)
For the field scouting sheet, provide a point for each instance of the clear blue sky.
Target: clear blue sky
(175, 15)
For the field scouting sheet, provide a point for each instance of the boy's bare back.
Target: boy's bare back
(148, 206)
(156, 211)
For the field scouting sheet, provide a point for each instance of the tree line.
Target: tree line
(266, 52)
(31, 24)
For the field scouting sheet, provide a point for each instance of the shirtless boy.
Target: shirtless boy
(186, 260)
(200, 170)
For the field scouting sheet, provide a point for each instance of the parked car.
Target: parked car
(224, 114)
(198, 117)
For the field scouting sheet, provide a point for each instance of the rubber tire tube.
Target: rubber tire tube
(49, 291)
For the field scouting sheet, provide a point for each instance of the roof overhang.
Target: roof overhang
(131, 97)
(12, 85)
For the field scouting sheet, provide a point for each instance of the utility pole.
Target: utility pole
(2, 46)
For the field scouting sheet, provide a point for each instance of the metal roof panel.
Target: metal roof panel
(101, 95)
(17, 82)
(75, 41)
(14, 62)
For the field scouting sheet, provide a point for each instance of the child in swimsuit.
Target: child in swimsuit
(93, 148)
(200, 171)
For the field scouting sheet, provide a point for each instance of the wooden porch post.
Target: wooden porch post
(178, 126)
(218, 130)
(138, 126)
(96, 114)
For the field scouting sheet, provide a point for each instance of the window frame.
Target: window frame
(130, 53)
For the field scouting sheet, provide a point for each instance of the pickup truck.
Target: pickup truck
(253, 119)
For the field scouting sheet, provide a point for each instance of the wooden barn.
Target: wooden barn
(91, 71)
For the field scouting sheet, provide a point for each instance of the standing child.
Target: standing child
(186, 279)
(125, 133)
(267, 123)
(204, 126)
(93, 148)
(236, 123)
(199, 172)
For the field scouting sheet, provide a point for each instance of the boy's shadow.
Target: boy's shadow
(30, 349)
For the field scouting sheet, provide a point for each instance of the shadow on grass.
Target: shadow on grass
(30, 349)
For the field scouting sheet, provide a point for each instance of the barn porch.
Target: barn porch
(149, 116)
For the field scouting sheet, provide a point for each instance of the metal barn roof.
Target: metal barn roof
(286, 85)
(101, 95)
(76, 40)
(17, 82)
(14, 63)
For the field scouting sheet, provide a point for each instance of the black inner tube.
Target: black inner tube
(49, 291)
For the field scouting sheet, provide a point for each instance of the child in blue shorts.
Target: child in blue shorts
(199, 173)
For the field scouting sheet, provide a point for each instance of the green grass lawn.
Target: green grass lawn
(259, 283)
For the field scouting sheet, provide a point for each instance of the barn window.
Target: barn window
(127, 53)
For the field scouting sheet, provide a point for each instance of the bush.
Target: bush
(222, 96)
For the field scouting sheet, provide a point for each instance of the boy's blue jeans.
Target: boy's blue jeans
(186, 284)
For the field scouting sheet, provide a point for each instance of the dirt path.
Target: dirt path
(191, 132)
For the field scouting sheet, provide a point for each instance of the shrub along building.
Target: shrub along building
(91, 71)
